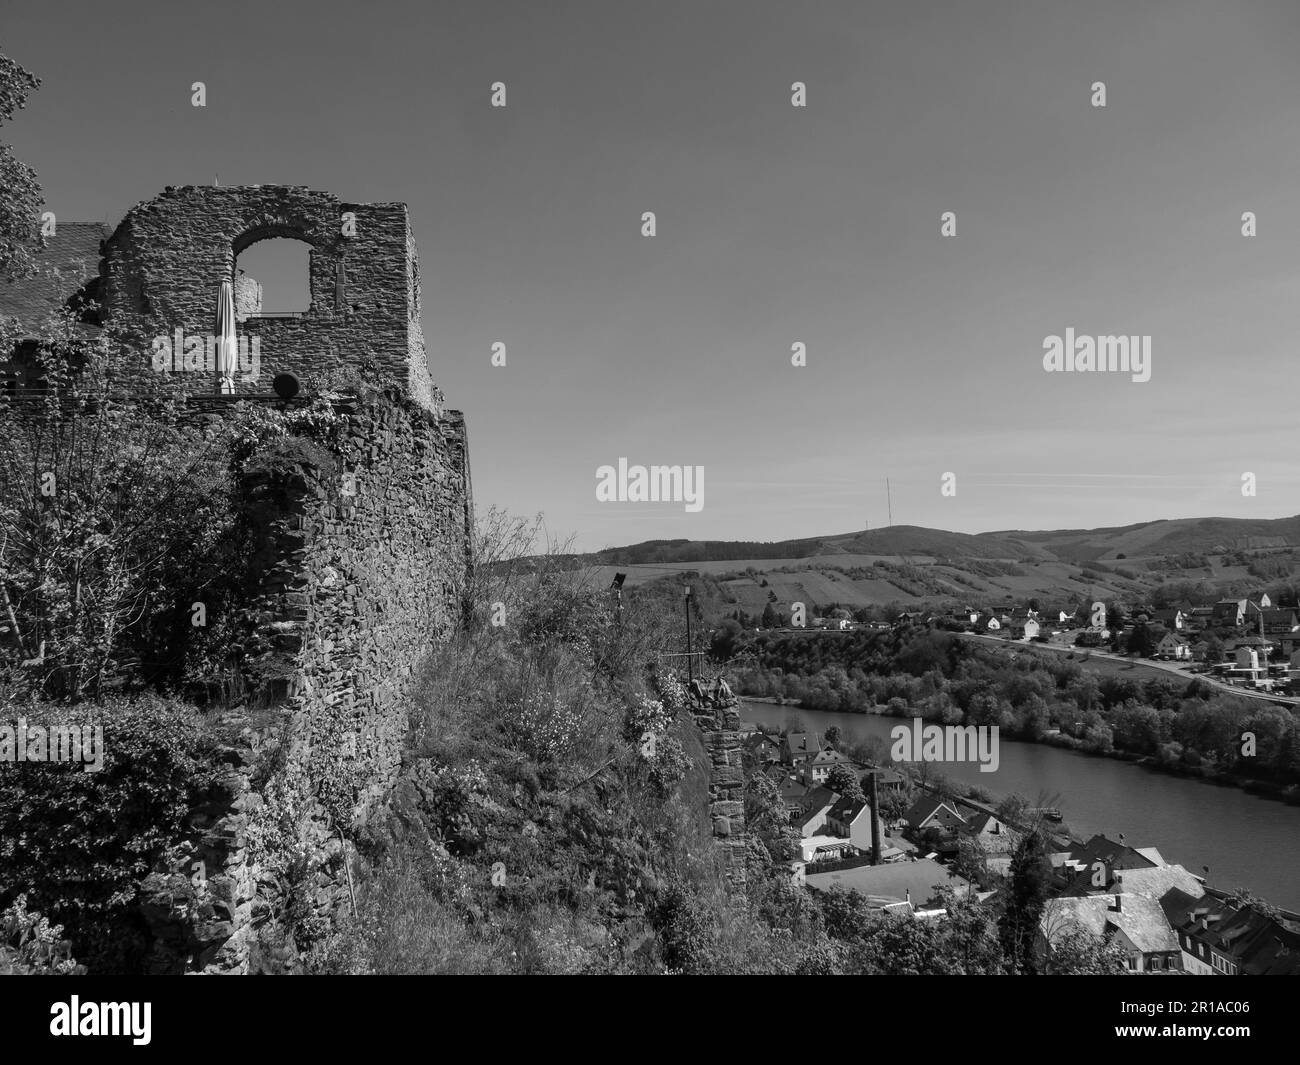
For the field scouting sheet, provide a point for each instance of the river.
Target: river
(1247, 841)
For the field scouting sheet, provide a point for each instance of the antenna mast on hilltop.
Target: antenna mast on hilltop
(889, 499)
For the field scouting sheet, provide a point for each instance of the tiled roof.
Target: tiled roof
(893, 882)
(1114, 855)
(846, 809)
(1258, 944)
(1140, 918)
(926, 806)
(1155, 883)
(817, 798)
(803, 742)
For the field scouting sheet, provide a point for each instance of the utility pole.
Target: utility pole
(690, 663)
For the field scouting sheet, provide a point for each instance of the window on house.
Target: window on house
(273, 278)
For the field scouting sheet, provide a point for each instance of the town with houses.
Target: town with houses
(1243, 642)
(902, 856)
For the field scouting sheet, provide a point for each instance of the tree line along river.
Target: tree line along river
(1247, 841)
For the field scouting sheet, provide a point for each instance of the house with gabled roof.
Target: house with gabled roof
(1153, 881)
(1279, 620)
(886, 779)
(797, 746)
(1229, 613)
(851, 819)
(1172, 619)
(1136, 922)
(1171, 645)
(1222, 936)
(815, 769)
(929, 811)
(798, 797)
(989, 831)
(815, 806)
(1060, 616)
(1097, 860)
(763, 749)
(1026, 627)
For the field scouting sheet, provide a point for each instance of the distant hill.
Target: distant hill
(1178, 536)
(908, 564)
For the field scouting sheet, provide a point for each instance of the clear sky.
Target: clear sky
(775, 225)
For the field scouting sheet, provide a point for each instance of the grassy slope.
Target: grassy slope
(985, 570)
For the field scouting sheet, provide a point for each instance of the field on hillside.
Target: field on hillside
(820, 580)
(1195, 560)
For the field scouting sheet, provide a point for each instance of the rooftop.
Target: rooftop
(892, 882)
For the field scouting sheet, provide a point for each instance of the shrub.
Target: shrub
(76, 842)
(31, 946)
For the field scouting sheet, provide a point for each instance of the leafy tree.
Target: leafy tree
(971, 862)
(1077, 952)
(899, 945)
(1013, 809)
(969, 935)
(115, 518)
(682, 929)
(766, 818)
(1018, 927)
(1141, 641)
(962, 942)
(20, 193)
(114, 512)
(726, 641)
(844, 780)
(894, 804)
(845, 913)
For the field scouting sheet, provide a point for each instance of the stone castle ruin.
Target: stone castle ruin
(357, 565)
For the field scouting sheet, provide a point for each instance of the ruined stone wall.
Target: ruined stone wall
(358, 545)
(359, 554)
(164, 265)
(720, 731)
(360, 562)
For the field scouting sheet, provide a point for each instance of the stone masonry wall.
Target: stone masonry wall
(359, 567)
(720, 731)
(359, 553)
(164, 265)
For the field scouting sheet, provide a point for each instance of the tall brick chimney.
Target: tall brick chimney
(874, 799)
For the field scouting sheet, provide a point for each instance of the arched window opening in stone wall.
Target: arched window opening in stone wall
(273, 279)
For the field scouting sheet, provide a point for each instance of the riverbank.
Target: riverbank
(1247, 840)
(1269, 789)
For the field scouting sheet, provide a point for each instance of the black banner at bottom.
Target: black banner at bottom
(345, 1014)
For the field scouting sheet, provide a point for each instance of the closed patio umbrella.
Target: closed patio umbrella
(224, 331)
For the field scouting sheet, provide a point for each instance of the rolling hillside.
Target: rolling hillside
(932, 567)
